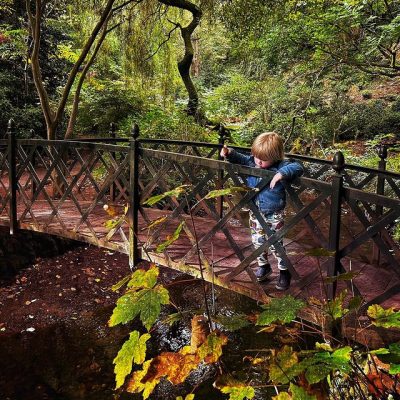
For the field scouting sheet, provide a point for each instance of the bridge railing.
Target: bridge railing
(62, 187)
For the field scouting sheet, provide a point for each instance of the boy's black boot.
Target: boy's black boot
(284, 280)
(263, 272)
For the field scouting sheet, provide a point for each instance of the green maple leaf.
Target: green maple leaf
(232, 323)
(238, 392)
(133, 350)
(146, 303)
(144, 279)
(390, 355)
(282, 396)
(171, 193)
(282, 309)
(334, 308)
(224, 192)
(386, 318)
(321, 364)
(348, 276)
(285, 366)
(298, 393)
(175, 236)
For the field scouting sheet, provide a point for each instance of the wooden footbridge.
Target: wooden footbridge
(61, 188)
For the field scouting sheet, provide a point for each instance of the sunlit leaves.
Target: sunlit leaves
(143, 299)
(174, 237)
(156, 222)
(121, 283)
(390, 355)
(144, 279)
(299, 393)
(135, 384)
(133, 350)
(348, 276)
(224, 192)
(171, 193)
(285, 366)
(321, 364)
(282, 396)
(385, 318)
(335, 307)
(176, 367)
(187, 397)
(239, 392)
(282, 309)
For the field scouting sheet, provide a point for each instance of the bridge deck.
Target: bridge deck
(371, 282)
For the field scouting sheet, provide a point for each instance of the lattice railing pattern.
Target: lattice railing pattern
(61, 188)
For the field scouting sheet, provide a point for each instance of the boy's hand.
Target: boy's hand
(224, 151)
(277, 177)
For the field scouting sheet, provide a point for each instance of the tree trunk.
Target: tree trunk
(186, 62)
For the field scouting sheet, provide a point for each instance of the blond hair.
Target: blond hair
(268, 147)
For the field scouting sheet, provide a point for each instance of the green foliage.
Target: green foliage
(174, 237)
(321, 364)
(143, 298)
(335, 307)
(233, 322)
(179, 191)
(286, 365)
(132, 351)
(282, 310)
(299, 393)
(386, 318)
(187, 397)
(238, 392)
(145, 302)
(224, 192)
(104, 102)
(390, 355)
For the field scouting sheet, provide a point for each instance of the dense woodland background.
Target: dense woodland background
(319, 72)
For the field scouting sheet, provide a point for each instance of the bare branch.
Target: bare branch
(163, 42)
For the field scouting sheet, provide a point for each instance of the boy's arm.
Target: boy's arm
(291, 170)
(235, 157)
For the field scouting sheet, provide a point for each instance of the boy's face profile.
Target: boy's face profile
(262, 164)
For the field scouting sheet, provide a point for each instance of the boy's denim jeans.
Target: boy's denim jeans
(275, 222)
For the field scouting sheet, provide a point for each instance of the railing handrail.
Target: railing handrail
(300, 157)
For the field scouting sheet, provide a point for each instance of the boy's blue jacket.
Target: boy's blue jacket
(268, 200)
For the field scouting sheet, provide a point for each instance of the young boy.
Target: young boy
(267, 153)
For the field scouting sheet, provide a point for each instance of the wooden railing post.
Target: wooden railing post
(380, 189)
(12, 175)
(133, 212)
(335, 220)
(113, 187)
(220, 183)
